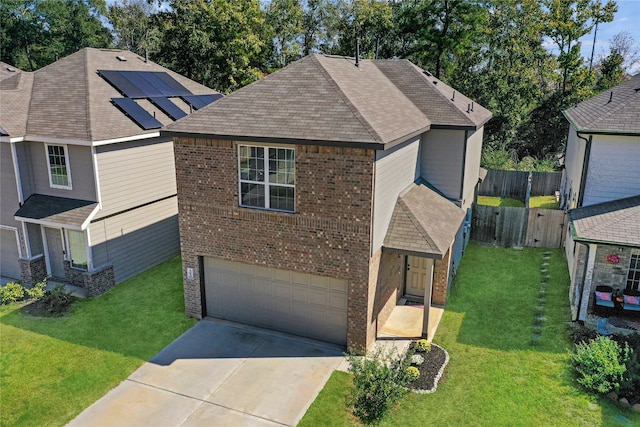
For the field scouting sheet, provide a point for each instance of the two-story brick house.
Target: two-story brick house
(88, 191)
(312, 200)
(601, 190)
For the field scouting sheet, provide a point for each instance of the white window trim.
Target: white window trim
(67, 164)
(266, 182)
(69, 252)
(634, 252)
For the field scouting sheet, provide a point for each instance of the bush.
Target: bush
(417, 360)
(11, 292)
(57, 301)
(422, 346)
(38, 291)
(413, 373)
(600, 364)
(379, 380)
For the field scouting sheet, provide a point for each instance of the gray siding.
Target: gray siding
(472, 166)
(9, 203)
(24, 164)
(134, 173)
(136, 240)
(395, 170)
(614, 169)
(81, 169)
(35, 239)
(574, 160)
(441, 160)
(9, 255)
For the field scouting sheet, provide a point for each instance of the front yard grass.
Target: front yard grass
(495, 377)
(53, 368)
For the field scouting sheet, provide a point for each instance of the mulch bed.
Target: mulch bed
(429, 370)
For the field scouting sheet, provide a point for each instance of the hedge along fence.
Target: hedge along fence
(518, 227)
(515, 184)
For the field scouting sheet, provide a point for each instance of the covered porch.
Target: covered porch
(420, 237)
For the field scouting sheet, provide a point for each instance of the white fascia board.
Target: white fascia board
(49, 223)
(127, 138)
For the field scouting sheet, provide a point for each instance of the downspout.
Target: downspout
(585, 167)
(464, 166)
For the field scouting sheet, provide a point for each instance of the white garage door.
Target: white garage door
(298, 303)
(9, 265)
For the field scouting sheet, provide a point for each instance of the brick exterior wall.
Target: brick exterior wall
(441, 280)
(386, 277)
(328, 235)
(33, 270)
(99, 281)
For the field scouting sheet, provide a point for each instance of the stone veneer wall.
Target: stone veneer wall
(386, 277)
(99, 281)
(614, 275)
(328, 235)
(74, 276)
(33, 270)
(441, 280)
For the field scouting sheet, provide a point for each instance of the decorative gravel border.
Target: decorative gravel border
(437, 377)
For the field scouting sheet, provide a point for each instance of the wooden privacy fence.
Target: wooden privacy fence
(513, 184)
(507, 227)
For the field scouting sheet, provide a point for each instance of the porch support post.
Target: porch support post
(427, 299)
(588, 279)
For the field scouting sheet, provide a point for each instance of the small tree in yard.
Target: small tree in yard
(600, 364)
(379, 380)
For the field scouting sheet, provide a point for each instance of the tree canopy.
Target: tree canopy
(519, 58)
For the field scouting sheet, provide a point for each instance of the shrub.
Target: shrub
(38, 291)
(423, 346)
(11, 292)
(581, 333)
(630, 384)
(379, 380)
(600, 364)
(57, 301)
(417, 360)
(413, 373)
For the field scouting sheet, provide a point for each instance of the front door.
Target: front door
(416, 278)
(55, 252)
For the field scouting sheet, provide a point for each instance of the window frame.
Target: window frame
(267, 184)
(67, 165)
(83, 252)
(633, 283)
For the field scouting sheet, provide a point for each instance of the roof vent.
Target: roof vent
(435, 82)
(427, 73)
(637, 89)
(610, 97)
(453, 97)
(121, 58)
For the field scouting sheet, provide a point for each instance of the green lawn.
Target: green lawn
(500, 201)
(53, 368)
(495, 377)
(544, 202)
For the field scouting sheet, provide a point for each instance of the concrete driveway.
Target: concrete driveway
(218, 374)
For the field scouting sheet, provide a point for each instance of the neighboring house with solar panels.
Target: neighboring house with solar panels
(88, 193)
(601, 190)
(314, 200)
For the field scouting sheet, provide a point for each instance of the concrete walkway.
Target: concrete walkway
(222, 374)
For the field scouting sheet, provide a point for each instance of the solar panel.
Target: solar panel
(168, 107)
(178, 89)
(122, 85)
(137, 113)
(199, 101)
(136, 78)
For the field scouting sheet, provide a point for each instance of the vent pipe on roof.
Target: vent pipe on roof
(471, 105)
(468, 108)
(357, 52)
(453, 97)
(610, 97)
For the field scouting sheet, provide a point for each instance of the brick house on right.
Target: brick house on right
(601, 190)
(312, 200)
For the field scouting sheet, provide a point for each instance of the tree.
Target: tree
(131, 22)
(625, 45)
(36, 33)
(285, 19)
(366, 21)
(610, 71)
(218, 43)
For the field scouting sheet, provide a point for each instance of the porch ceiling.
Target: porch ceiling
(423, 223)
(57, 211)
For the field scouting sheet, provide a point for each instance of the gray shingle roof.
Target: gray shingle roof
(614, 111)
(60, 211)
(423, 223)
(69, 100)
(15, 91)
(614, 222)
(327, 98)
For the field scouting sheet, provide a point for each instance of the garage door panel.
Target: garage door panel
(289, 301)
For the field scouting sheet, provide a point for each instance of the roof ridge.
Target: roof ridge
(85, 76)
(347, 101)
(415, 69)
(416, 224)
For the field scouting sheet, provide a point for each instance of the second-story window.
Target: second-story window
(267, 177)
(58, 158)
